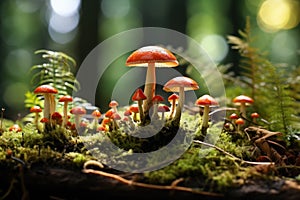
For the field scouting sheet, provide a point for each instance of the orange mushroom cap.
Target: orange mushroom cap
(45, 89)
(243, 99)
(239, 121)
(173, 97)
(35, 109)
(206, 100)
(174, 84)
(96, 113)
(15, 127)
(158, 98)
(113, 103)
(152, 54)
(233, 116)
(255, 115)
(134, 108)
(109, 113)
(127, 112)
(66, 98)
(138, 95)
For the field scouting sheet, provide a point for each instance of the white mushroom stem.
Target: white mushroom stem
(141, 112)
(180, 103)
(47, 99)
(243, 109)
(77, 121)
(205, 117)
(155, 113)
(173, 108)
(149, 89)
(65, 109)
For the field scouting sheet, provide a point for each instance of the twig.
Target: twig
(144, 185)
(234, 157)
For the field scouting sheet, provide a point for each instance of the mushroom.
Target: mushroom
(156, 100)
(113, 105)
(15, 128)
(239, 122)
(65, 99)
(78, 111)
(115, 118)
(173, 98)
(128, 113)
(243, 101)
(139, 96)
(163, 109)
(56, 117)
(180, 84)
(254, 116)
(36, 110)
(49, 102)
(206, 101)
(96, 114)
(135, 109)
(151, 57)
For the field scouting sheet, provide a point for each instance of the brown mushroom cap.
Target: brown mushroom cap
(206, 100)
(45, 89)
(176, 83)
(152, 54)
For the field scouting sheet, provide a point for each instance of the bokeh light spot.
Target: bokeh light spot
(65, 7)
(115, 8)
(274, 15)
(216, 47)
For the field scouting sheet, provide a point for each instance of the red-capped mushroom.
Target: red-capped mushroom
(15, 128)
(239, 122)
(180, 84)
(36, 110)
(206, 101)
(135, 109)
(243, 101)
(49, 102)
(57, 118)
(139, 96)
(156, 100)
(162, 109)
(66, 100)
(113, 104)
(78, 112)
(254, 116)
(96, 114)
(151, 57)
(173, 98)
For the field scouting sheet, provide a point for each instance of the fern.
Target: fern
(269, 87)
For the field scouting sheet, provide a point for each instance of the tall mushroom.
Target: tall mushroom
(180, 84)
(151, 57)
(243, 101)
(65, 99)
(139, 96)
(49, 102)
(206, 101)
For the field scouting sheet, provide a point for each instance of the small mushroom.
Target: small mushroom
(254, 116)
(113, 104)
(49, 102)
(139, 96)
(151, 57)
(65, 99)
(96, 114)
(156, 100)
(78, 112)
(15, 128)
(115, 118)
(207, 102)
(239, 122)
(36, 110)
(173, 98)
(135, 109)
(56, 118)
(180, 84)
(162, 109)
(243, 101)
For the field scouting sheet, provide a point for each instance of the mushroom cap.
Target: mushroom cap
(138, 95)
(116, 116)
(15, 127)
(173, 97)
(152, 54)
(96, 113)
(35, 109)
(239, 121)
(163, 108)
(176, 83)
(44, 120)
(206, 100)
(56, 115)
(45, 89)
(113, 103)
(109, 113)
(255, 115)
(158, 98)
(66, 98)
(233, 116)
(78, 110)
(243, 99)
(127, 112)
(134, 108)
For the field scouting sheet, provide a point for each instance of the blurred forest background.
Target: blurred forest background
(75, 27)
